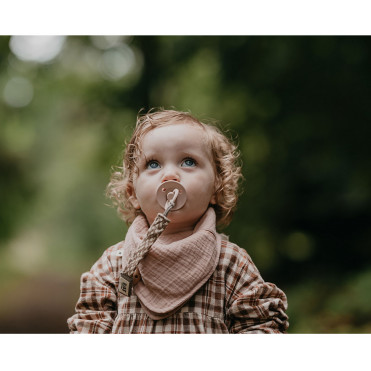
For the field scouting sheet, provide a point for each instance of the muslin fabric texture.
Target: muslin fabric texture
(225, 293)
(173, 271)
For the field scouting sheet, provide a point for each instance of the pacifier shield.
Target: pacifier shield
(165, 193)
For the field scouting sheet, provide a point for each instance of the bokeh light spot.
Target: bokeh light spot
(298, 246)
(107, 42)
(41, 49)
(18, 92)
(116, 63)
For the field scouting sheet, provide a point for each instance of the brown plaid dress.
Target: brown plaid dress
(235, 299)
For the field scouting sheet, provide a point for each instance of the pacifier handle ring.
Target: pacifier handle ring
(171, 203)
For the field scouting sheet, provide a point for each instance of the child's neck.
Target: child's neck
(175, 233)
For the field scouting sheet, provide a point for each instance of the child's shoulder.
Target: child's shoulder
(115, 249)
(231, 250)
(232, 255)
(112, 255)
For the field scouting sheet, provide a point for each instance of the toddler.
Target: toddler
(190, 278)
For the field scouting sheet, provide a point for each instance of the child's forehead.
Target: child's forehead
(185, 137)
(176, 130)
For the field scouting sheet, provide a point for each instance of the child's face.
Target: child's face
(175, 152)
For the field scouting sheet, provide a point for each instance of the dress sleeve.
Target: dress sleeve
(253, 305)
(96, 308)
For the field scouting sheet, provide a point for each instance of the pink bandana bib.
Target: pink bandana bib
(173, 271)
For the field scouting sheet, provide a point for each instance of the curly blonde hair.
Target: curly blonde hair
(225, 155)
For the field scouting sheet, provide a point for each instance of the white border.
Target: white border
(191, 17)
(185, 352)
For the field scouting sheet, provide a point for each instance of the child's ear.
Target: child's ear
(132, 196)
(213, 199)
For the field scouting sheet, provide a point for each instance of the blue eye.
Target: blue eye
(152, 165)
(188, 162)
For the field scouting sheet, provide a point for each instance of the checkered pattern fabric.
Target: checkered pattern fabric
(234, 300)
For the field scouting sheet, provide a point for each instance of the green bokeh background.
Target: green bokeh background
(299, 107)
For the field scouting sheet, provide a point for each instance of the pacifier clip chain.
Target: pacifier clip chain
(127, 276)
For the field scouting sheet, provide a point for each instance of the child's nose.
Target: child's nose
(170, 174)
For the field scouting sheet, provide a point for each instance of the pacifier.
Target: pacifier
(166, 191)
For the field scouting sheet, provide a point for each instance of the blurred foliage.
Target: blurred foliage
(299, 108)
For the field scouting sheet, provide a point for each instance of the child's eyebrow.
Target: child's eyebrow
(149, 155)
(188, 154)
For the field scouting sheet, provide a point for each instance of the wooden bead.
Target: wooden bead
(136, 276)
